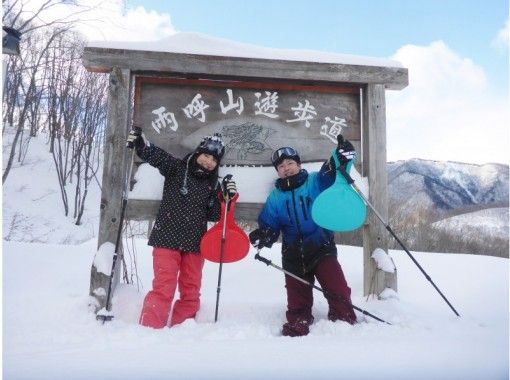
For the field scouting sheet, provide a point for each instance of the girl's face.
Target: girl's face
(288, 168)
(207, 161)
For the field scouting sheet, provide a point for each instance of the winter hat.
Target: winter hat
(212, 145)
(281, 154)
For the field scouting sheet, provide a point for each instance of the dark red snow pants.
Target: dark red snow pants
(332, 280)
(172, 268)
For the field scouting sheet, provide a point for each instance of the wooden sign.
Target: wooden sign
(254, 118)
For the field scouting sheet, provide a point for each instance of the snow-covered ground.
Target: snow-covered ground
(32, 208)
(50, 333)
(478, 221)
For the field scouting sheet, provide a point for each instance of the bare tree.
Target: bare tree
(76, 109)
(93, 121)
(16, 13)
(12, 87)
(49, 89)
(30, 65)
(23, 94)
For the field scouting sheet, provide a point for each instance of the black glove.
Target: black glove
(229, 187)
(135, 139)
(263, 237)
(345, 151)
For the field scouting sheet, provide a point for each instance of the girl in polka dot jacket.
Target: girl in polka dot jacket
(191, 197)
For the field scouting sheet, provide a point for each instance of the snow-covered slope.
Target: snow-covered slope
(488, 222)
(32, 207)
(48, 332)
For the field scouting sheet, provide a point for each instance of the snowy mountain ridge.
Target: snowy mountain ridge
(449, 185)
(450, 206)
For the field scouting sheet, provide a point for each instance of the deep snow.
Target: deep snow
(49, 333)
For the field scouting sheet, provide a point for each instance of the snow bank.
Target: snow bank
(383, 260)
(104, 258)
(49, 332)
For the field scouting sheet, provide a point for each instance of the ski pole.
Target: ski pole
(222, 253)
(108, 316)
(350, 181)
(327, 294)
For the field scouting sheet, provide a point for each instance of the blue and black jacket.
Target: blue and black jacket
(288, 210)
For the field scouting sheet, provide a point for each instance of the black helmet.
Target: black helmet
(212, 145)
(281, 154)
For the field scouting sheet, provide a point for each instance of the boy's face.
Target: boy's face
(207, 161)
(288, 168)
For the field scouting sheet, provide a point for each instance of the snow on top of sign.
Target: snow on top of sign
(197, 43)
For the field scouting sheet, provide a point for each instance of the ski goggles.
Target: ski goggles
(282, 153)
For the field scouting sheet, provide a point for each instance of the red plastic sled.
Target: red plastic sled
(236, 244)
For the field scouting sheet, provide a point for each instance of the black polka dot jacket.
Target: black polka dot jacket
(182, 219)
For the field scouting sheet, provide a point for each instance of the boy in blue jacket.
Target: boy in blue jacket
(308, 250)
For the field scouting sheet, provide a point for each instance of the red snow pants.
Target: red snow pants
(332, 280)
(172, 268)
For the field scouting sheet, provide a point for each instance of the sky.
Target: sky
(456, 105)
(373, 28)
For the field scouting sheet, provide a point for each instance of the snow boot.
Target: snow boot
(350, 318)
(297, 328)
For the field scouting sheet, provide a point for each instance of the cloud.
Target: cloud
(447, 112)
(108, 19)
(502, 38)
(135, 24)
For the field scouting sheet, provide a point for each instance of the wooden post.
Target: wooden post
(375, 234)
(114, 171)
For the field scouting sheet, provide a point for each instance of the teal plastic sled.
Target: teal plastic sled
(339, 208)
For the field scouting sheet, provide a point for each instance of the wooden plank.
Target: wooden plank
(141, 209)
(103, 59)
(114, 172)
(138, 209)
(375, 234)
(250, 134)
(321, 88)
